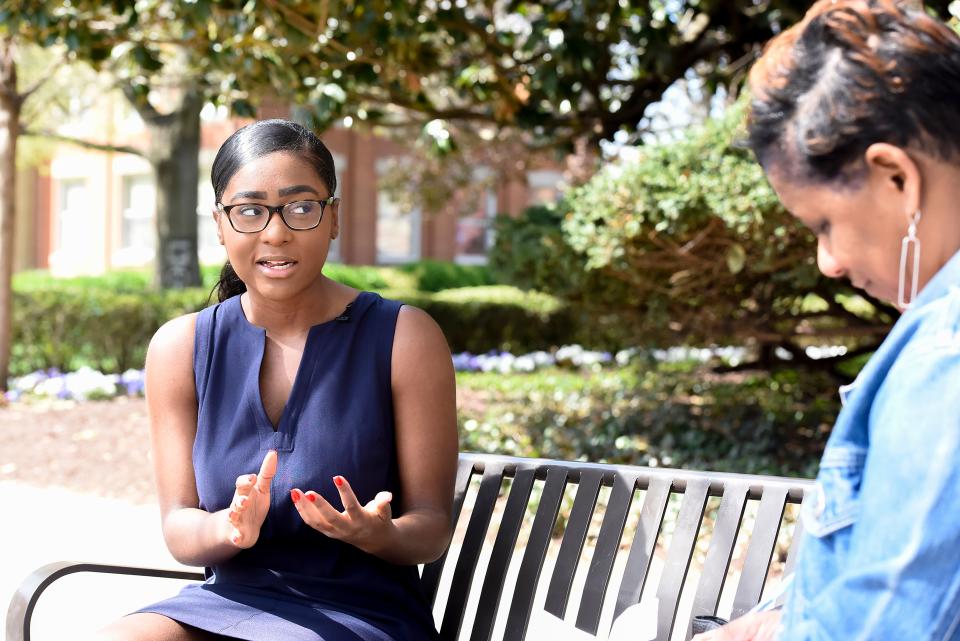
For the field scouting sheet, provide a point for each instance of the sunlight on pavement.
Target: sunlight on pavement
(44, 525)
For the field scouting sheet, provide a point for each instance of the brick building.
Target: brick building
(86, 211)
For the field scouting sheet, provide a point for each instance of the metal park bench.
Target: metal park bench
(580, 542)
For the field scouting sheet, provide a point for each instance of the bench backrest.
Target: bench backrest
(524, 526)
(606, 497)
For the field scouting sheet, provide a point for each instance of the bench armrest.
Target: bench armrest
(28, 592)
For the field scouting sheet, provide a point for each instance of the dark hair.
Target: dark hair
(255, 141)
(850, 74)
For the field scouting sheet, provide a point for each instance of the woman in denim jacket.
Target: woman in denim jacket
(856, 121)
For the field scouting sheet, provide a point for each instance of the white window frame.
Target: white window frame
(542, 178)
(125, 255)
(416, 224)
(490, 212)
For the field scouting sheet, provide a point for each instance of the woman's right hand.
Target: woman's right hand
(250, 504)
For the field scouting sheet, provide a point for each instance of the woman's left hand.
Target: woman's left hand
(761, 626)
(368, 527)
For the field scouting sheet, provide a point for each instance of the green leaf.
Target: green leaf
(736, 258)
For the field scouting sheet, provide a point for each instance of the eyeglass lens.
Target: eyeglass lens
(299, 215)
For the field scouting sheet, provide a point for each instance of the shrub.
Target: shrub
(658, 414)
(688, 245)
(436, 275)
(70, 328)
(480, 319)
(75, 325)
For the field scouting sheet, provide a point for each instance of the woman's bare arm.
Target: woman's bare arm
(194, 536)
(424, 405)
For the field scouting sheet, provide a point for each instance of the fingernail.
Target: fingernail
(295, 495)
(312, 498)
(338, 480)
(252, 478)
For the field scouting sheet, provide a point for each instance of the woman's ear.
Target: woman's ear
(335, 220)
(895, 176)
(217, 219)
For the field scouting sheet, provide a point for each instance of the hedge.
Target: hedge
(669, 414)
(69, 326)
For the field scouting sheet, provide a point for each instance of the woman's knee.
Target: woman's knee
(145, 626)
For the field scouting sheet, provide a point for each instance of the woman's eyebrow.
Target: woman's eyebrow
(298, 189)
(259, 195)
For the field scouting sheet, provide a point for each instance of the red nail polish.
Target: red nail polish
(295, 495)
(312, 498)
(338, 480)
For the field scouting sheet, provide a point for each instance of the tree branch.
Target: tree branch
(87, 144)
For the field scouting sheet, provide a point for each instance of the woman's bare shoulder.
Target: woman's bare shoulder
(171, 348)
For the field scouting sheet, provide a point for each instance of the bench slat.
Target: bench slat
(574, 536)
(760, 551)
(430, 577)
(681, 551)
(797, 538)
(503, 547)
(470, 551)
(605, 553)
(532, 564)
(720, 552)
(644, 541)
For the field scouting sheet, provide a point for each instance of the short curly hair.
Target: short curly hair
(850, 74)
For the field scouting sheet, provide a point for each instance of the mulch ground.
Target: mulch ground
(96, 447)
(100, 447)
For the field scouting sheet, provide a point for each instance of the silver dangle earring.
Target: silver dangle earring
(910, 240)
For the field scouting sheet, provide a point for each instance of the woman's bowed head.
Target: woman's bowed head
(855, 120)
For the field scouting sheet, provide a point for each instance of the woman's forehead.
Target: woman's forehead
(275, 173)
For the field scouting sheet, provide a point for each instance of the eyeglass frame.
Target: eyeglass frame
(278, 209)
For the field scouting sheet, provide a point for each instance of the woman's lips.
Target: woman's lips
(276, 266)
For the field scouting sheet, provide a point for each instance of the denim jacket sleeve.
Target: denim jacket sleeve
(881, 558)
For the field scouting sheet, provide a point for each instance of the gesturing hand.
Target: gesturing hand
(250, 504)
(751, 627)
(365, 526)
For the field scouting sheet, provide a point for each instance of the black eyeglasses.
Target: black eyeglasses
(301, 215)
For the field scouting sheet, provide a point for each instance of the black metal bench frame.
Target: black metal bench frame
(773, 494)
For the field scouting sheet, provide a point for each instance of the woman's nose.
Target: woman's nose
(276, 232)
(828, 264)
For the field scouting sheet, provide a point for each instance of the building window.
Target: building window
(475, 234)
(334, 254)
(544, 187)
(138, 235)
(73, 219)
(398, 231)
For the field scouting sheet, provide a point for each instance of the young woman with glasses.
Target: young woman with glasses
(304, 433)
(855, 121)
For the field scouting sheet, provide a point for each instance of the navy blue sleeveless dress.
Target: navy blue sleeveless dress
(296, 584)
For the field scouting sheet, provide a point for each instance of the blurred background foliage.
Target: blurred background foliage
(685, 245)
(689, 245)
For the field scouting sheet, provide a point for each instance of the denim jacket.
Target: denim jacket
(880, 559)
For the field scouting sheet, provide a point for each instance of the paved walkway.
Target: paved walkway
(42, 525)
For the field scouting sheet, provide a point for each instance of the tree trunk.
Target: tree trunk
(174, 152)
(10, 102)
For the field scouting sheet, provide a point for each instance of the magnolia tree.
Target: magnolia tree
(690, 245)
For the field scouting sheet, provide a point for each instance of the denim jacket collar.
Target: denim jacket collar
(947, 276)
